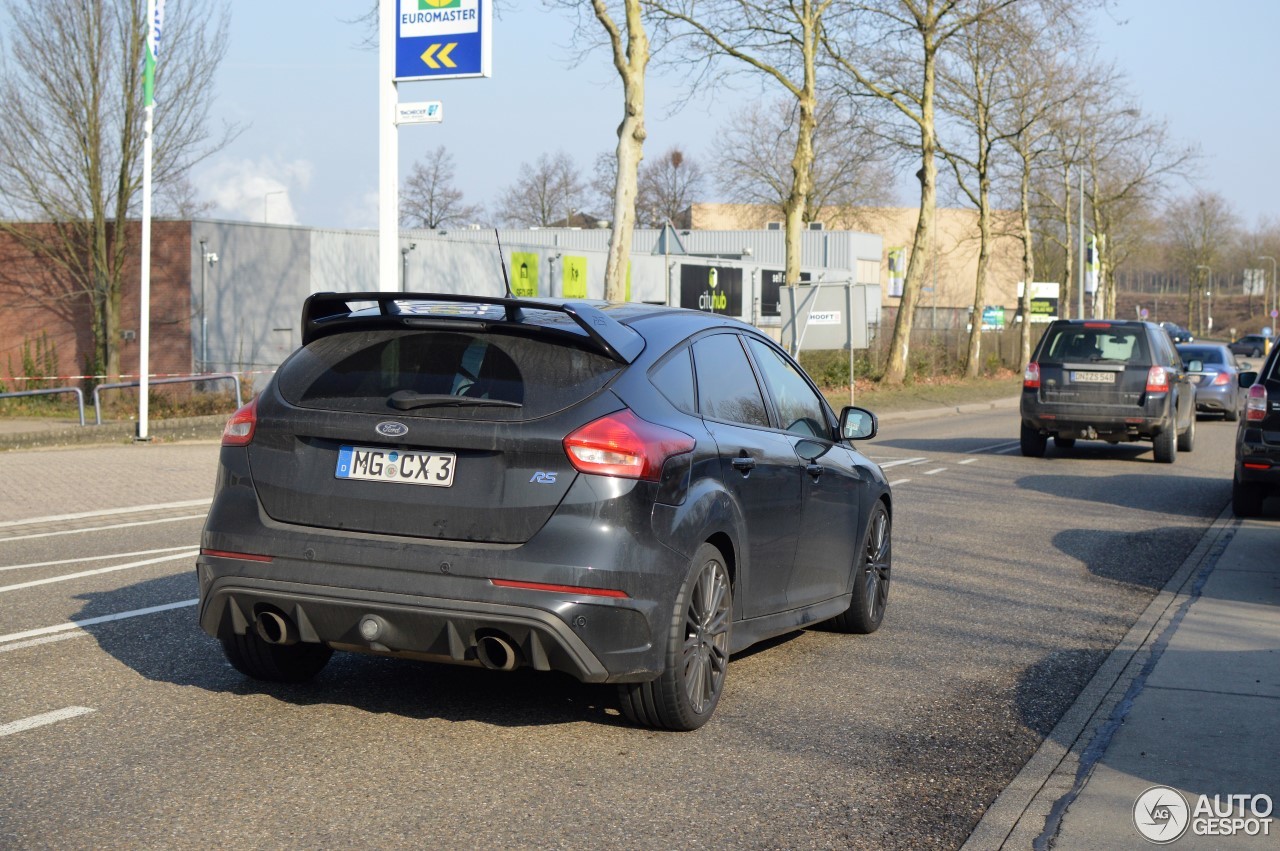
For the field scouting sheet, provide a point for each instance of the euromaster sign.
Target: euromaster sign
(443, 39)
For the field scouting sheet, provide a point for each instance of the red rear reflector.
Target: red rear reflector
(1031, 378)
(240, 428)
(229, 554)
(1097, 324)
(558, 589)
(1250, 465)
(623, 445)
(1157, 379)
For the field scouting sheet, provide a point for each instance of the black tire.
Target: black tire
(1246, 498)
(1187, 440)
(1231, 414)
(871, 577)
(686, 693)
(1064, 442)
(1257, 353)
(1165, 445)
(276, 663)
(1032, 441)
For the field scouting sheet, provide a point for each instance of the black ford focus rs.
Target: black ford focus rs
(625, 493)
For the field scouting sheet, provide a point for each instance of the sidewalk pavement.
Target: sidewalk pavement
(1189, 700)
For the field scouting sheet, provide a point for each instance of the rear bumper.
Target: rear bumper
(1257, 461)
(1216, 398)
(1114, 422)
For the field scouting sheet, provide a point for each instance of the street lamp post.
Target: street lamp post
(1080, 255)
(1275, 290)
(207, 259)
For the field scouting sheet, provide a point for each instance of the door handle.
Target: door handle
(744, 464)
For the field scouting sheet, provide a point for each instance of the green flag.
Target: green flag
(155, 20)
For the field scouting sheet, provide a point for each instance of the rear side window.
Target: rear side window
(674, 379)
(360, 372)
(727, 388)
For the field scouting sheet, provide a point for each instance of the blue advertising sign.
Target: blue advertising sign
(442, 39)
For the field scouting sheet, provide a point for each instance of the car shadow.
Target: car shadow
(1133, 491)
(170, 647)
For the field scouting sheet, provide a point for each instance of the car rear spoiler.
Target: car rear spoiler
(323, 313)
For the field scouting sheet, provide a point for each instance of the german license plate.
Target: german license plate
(372, 464)
(1093, 377)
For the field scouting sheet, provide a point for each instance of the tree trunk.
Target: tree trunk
(795, 206)
(1028, 268)
(973, 358)
(1069, 277)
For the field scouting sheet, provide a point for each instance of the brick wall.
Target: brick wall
(38, 298)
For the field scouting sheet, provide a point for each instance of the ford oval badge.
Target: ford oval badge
(391, 428)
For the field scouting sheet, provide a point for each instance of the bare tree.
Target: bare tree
(545, 192)
(668, 186)
(889, 49)
(780, 42)
(429, 198)
(850, 165)
(1200, 231)
(73, 140)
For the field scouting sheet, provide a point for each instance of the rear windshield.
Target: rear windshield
(482, 375)
(1204, 354)
(1080, 344)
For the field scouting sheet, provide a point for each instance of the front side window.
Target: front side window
(799, 408)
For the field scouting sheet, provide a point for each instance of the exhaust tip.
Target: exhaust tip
(274, 628)
(497, 653)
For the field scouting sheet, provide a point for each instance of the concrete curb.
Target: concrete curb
(1007, 403)
(186, 428)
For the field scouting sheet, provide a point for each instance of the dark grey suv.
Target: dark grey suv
(1103, 379)
(625, 493)
(1257, 469)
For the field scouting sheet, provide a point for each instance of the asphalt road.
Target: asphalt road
(1013, 578)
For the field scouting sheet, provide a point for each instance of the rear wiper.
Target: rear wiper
(407, 400)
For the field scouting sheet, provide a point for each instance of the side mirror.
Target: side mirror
(1247, 379)
(858, 424)
(1195, 366)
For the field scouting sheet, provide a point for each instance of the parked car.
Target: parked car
(1249, 346)
(1104, 379)
(1177, 333)
(625, 493)
(1215, 374)
(1257, 468)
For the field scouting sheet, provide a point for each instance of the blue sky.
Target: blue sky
(307, 94)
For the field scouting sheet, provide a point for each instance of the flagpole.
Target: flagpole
(155, 19)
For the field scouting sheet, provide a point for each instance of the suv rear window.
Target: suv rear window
(359, 372)
(1083, 344)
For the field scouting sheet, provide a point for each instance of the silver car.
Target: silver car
(1213, 369)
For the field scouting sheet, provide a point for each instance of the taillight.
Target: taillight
(1157, 379)
(1255, 406)
(623, 445)
(240, 428)
(1031, 378)
(1222, 378)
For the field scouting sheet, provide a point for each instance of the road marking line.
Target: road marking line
(887, 464)
(968, 460)
(190, 553)
(41, 720)
(930, 473)
(106, 512)
(48, 639)
(105, 557)
(898, 482)
(64, 627)
(103, 528)
(995, 447)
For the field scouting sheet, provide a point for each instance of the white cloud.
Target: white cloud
(255, 190)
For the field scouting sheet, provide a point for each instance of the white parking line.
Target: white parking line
(887, 464)
(934, 472)
(898, 482)
(103, 557)
(107, 512)
(42, 720)
(102, 528)
(189, 553)
(70, 625)
(968, 461)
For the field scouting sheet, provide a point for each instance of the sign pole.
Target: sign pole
(155, 20)
(388, 149)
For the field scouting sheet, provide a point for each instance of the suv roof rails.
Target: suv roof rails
(324, 314)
